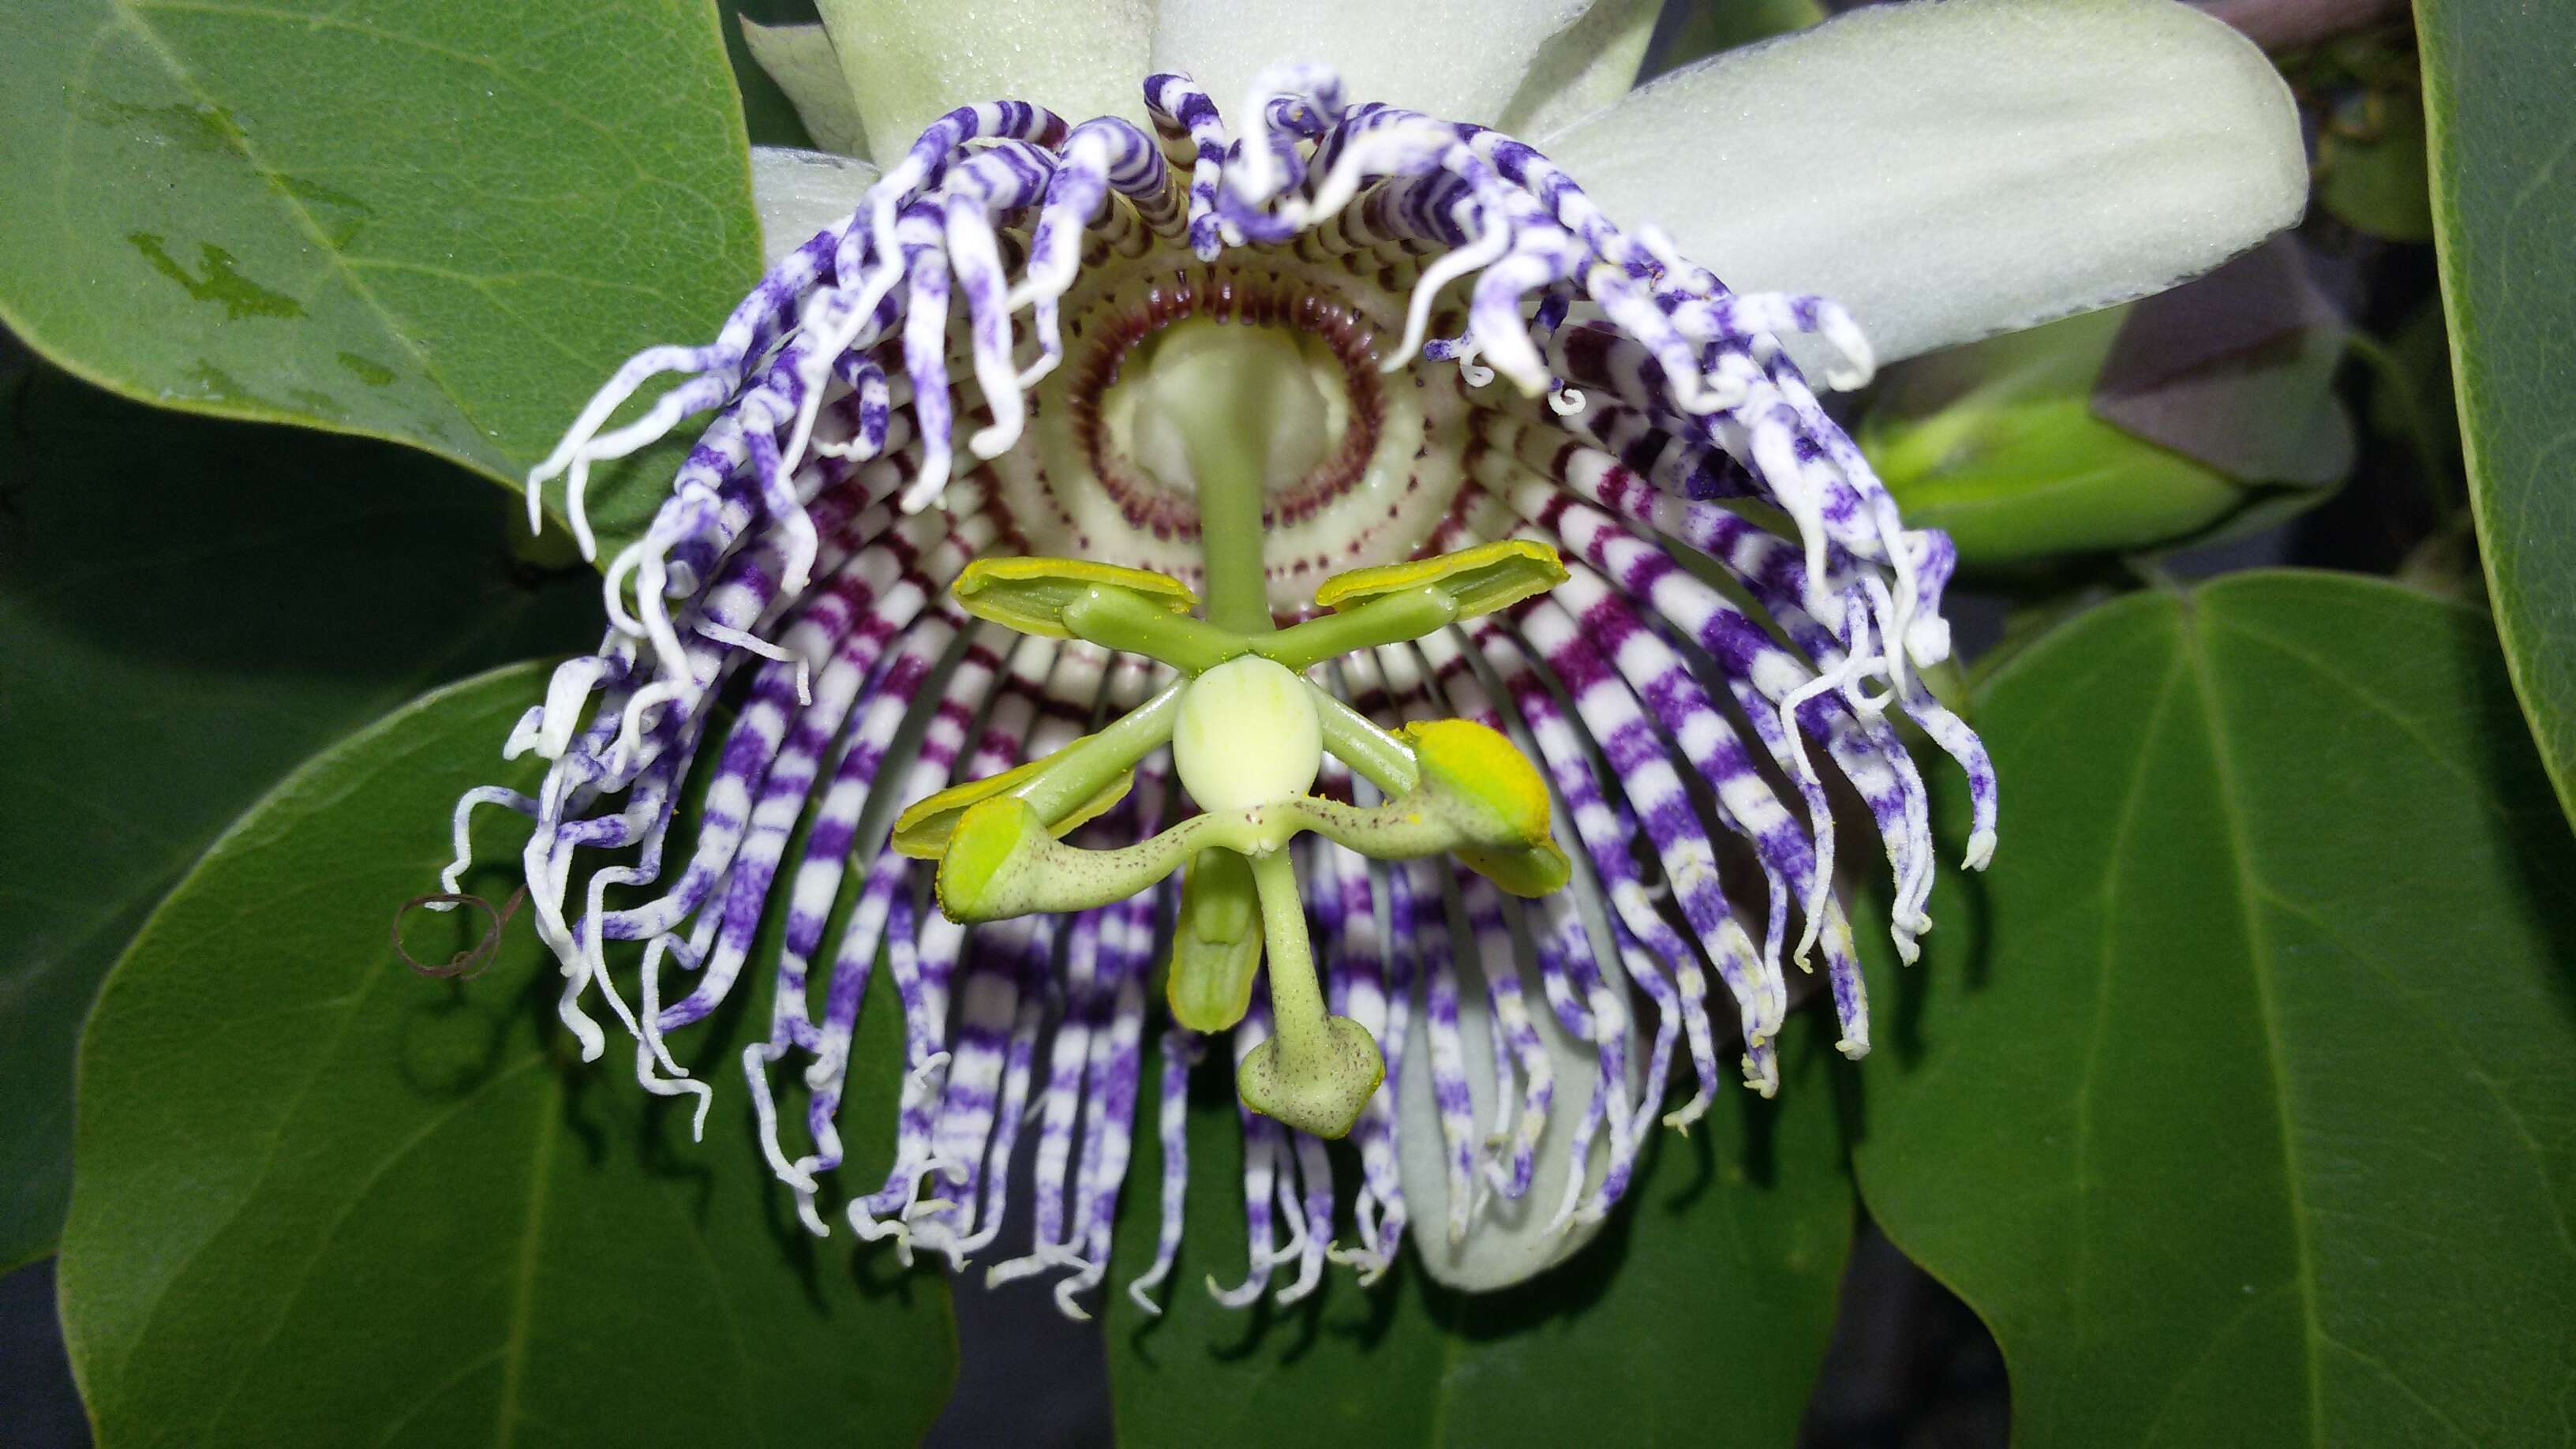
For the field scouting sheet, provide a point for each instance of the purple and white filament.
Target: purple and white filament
(938, 377)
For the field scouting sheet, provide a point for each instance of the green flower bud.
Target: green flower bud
(2119, 431)
(1996, 443)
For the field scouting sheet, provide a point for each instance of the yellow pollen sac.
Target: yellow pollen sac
(1477, 580)
(1031, 594)
(1481, 770)
(922, 830)
(1247, 735)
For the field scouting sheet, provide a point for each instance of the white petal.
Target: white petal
(800, 59)
(798, 193)
(1508, 1241)
(1948, 171)
(1583, 67)
(1460, 60)
(911, 61)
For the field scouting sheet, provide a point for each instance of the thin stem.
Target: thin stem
(1317, 1071)
(1296, 998)
(1381, 758)
(1117, 619)
(1084, 768)
(1389, 619)
(1221, 389)
(1228, 469)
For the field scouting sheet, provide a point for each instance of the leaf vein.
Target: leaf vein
(2258, 954)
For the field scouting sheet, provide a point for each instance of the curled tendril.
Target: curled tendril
(469, 963)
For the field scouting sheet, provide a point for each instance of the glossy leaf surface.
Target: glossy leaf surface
(448, 232)
(2237, 1096)
(323, 1200)
(2500, 108)
(1699, 1315)
(188, 609)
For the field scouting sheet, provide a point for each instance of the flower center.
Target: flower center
(1191, 366)
(1356, 466)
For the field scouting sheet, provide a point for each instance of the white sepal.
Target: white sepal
(1949, 171)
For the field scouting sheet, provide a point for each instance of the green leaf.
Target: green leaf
(2502, 117)
(323, 1200)
(188, 608)
(2236, 1096)
(443, 224)
(1706, 1299)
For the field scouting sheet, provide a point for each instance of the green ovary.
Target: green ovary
(1247, 735)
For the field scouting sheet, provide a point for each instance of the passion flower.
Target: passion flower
(977, 448)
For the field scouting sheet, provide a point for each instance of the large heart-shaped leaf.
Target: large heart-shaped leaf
(2240, 1096)
(442, 223)
(189, 608)
(1698, 1316)
(2500, 105)
(323, 1200)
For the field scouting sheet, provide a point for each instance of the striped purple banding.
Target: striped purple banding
(1428, 897)
(1579, 984)
(782, 653)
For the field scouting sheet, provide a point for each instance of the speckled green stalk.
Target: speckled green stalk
(1316, 1071)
